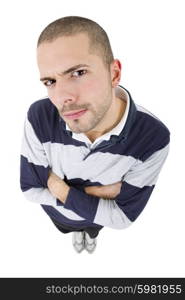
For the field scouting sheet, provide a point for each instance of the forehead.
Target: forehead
(67, 50)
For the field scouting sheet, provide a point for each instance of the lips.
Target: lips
(75, 114)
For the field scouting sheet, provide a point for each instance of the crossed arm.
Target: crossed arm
(59, 189)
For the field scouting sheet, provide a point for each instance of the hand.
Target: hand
(57, 187)
(109, 191)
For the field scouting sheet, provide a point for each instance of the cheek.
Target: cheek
(50, 96)
(53, 99)
(89, 86)
(93, 88)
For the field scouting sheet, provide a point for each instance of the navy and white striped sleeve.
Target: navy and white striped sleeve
(34, 168)
(138, 184)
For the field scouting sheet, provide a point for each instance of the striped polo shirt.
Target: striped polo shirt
(133, 152)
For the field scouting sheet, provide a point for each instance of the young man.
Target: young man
(90, 156)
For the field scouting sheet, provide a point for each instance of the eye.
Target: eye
(79, 73)
(49, 83)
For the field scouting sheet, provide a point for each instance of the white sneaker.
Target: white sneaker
(90, 244)
(78, 240)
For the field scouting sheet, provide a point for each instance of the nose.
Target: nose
(63, 94)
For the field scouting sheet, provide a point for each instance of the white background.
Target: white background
(148, 37)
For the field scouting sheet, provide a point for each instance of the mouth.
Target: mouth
(75, 114)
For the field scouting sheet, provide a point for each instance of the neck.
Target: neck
(113, 117)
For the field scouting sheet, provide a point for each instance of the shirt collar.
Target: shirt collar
(123, 95)
(121, 128)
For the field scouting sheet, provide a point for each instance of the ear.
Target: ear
(115, 72)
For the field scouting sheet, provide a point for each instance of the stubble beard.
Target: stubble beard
(96, 116)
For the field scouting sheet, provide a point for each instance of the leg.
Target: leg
(93, 231)
(63, 228)
(83, 237)
(90, 241)
(77, 238)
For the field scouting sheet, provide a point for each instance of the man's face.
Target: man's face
(78, 83)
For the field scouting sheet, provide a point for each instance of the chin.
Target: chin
(78, 130)
(75, 126)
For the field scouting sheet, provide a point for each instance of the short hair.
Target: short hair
(72, 25)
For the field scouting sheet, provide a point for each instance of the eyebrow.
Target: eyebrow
(67, 71)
